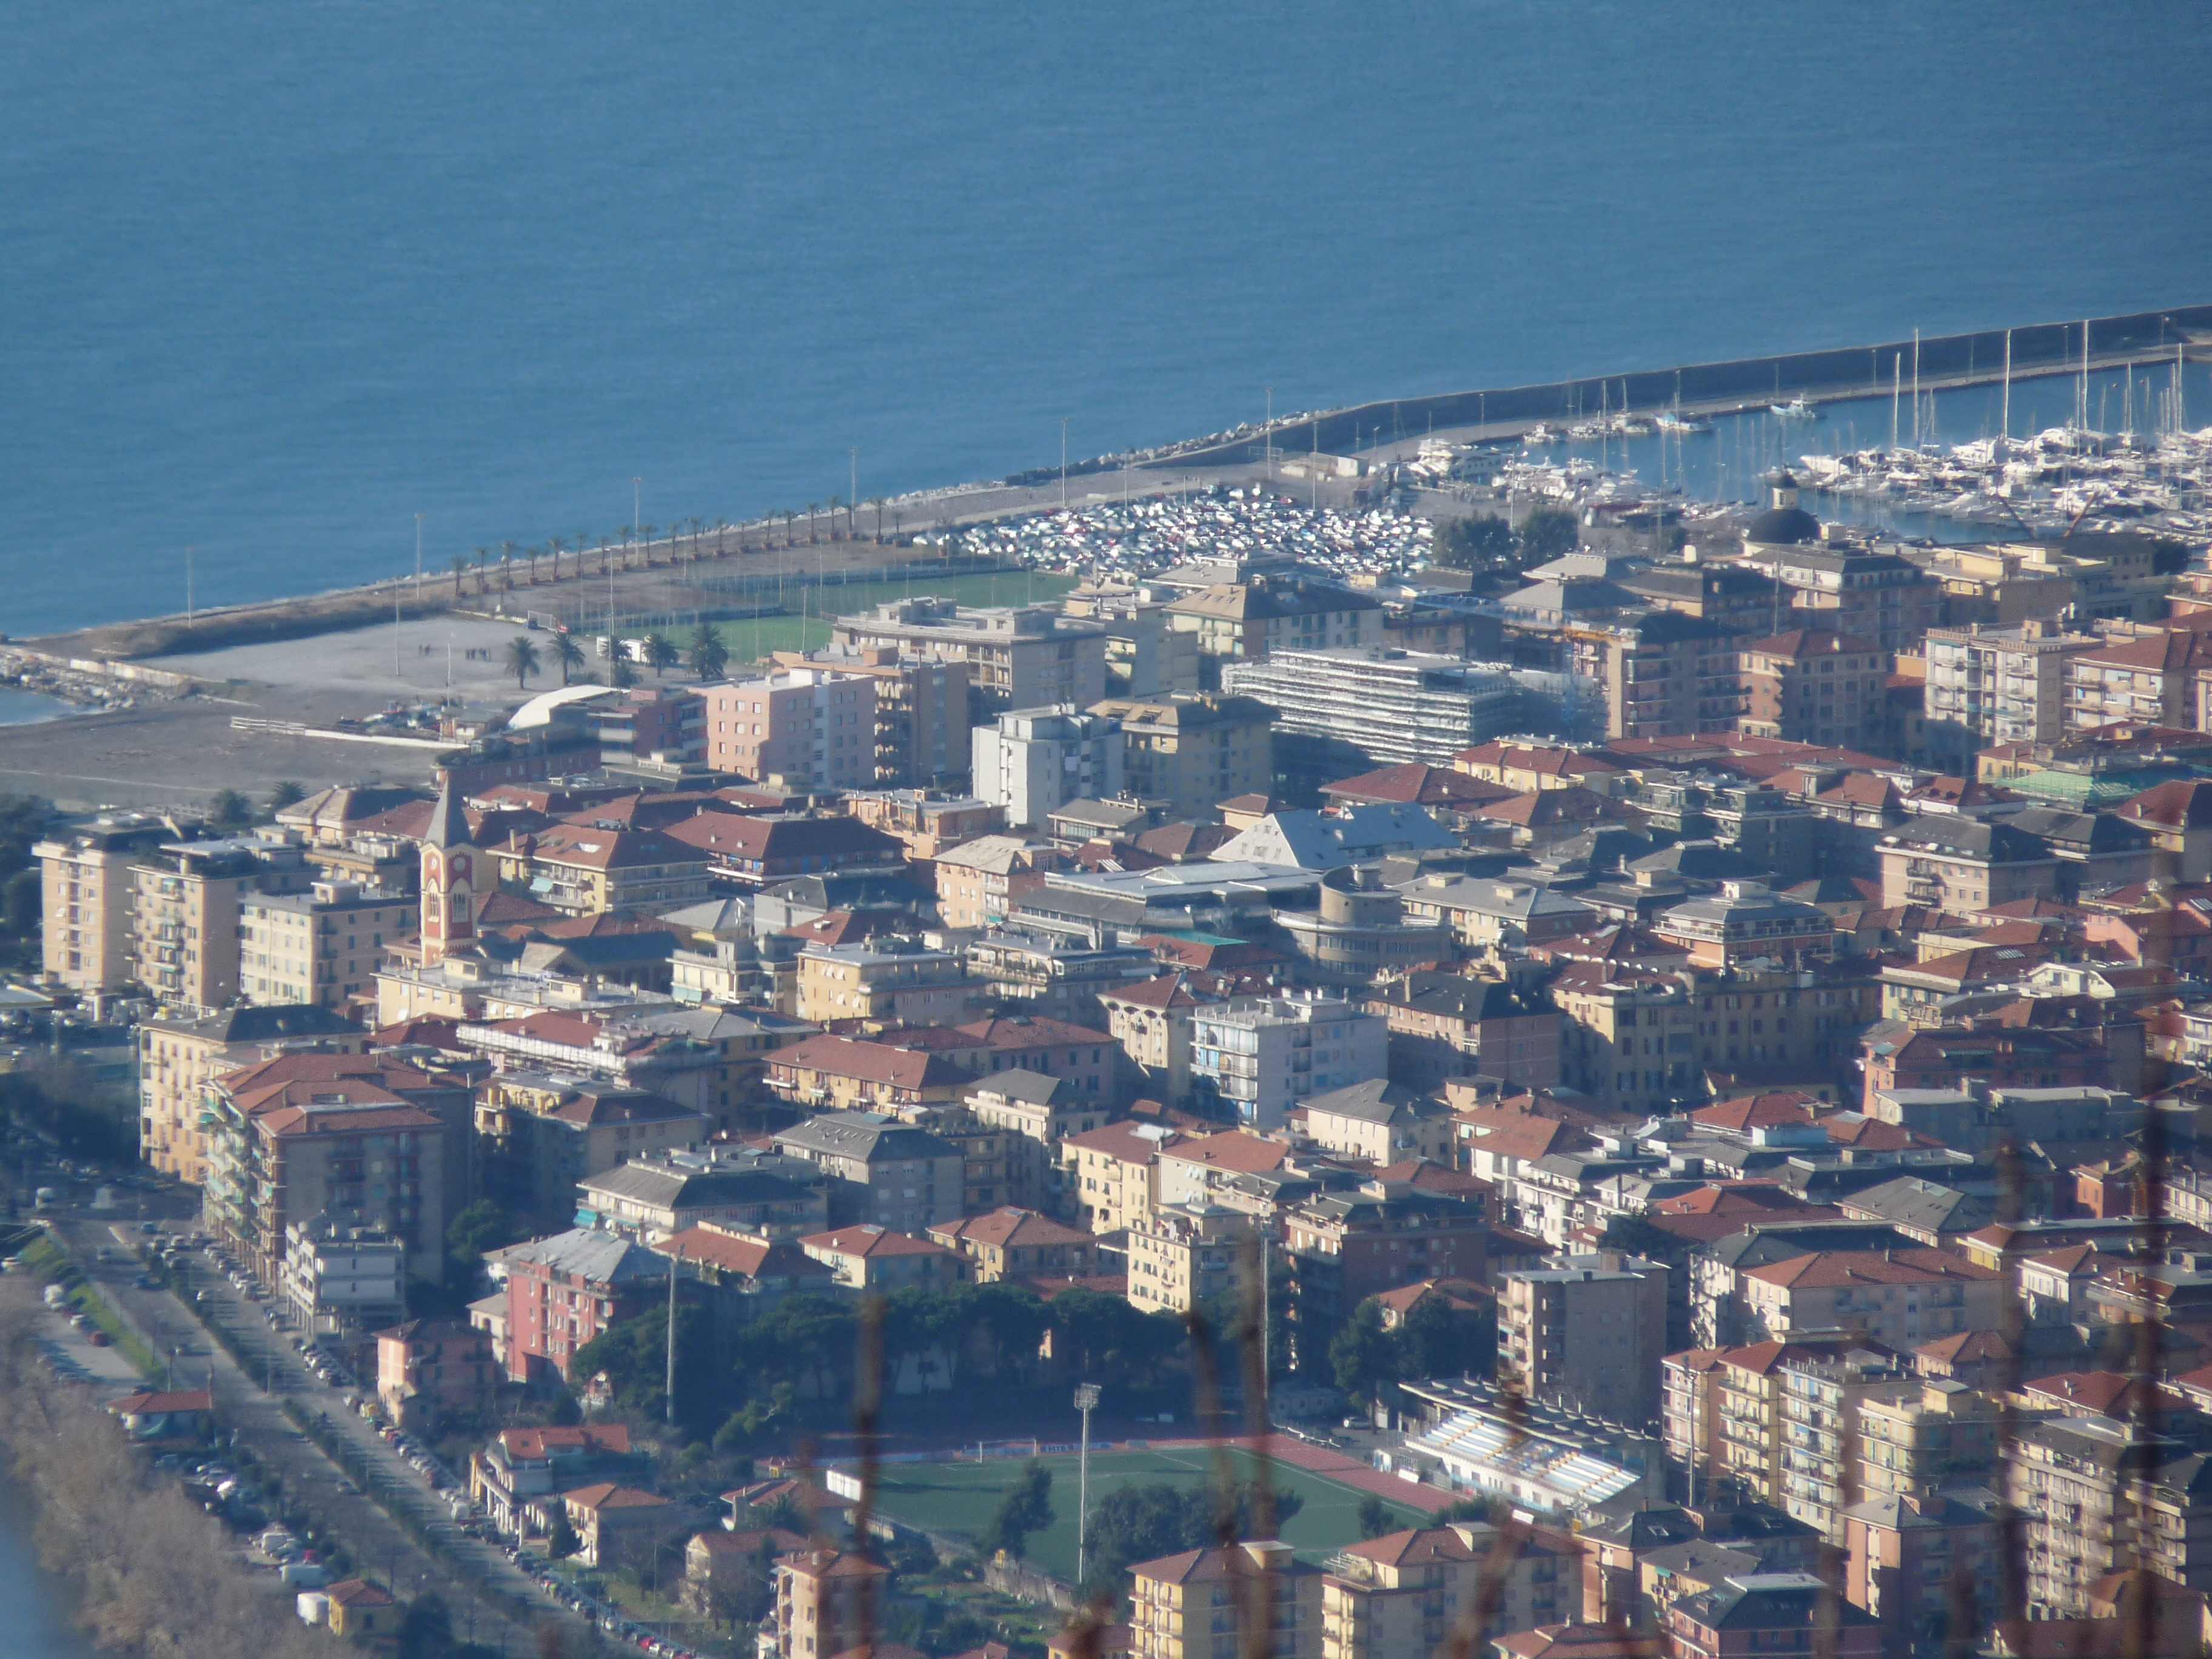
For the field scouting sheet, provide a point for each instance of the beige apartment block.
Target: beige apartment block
(974, 880)
(1193, 750)
(1113, 1174)
(922, 710)
(884, 982)
(1225, 1602)
(87, 888)
(1409, 1594)
(1587, 1333)
(1017, 657)
(1185, 1255)
(321, 947)
(185, 902)
(1998, 685)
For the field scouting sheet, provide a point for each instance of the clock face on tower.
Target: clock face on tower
(458, 867)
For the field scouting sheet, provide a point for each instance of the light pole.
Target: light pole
(1063, 462)
(1086, 1397)
(853, 500)
(418, 558)
(1270, 431)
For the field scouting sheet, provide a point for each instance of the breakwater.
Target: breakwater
(1824, 376)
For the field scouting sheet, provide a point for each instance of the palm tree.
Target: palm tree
(721, 535)
(483, 564)
(709, 656)
(530, 558)
(790, 528)
(812, 508)
(835, 502)
(554, 547)
(568, 655)
(522, 658)
(644, 543)
(460, 569)
(878, 503)
(660, 653)
(506, 567)
(621, 670)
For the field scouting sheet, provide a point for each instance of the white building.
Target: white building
(1392, 705)
(1267, 1053)
(1034, 761)
(335, 1274)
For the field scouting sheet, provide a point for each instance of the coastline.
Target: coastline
(1826, 375)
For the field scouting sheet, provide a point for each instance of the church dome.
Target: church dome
(1782, 526)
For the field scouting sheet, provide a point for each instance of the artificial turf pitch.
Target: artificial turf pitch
(959, 1498)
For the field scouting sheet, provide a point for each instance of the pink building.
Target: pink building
(811, 728)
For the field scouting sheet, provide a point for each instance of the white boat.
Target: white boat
(1541, 435)
(1681, 426)
(1796, 410)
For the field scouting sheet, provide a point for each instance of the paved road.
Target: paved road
(486, 1592)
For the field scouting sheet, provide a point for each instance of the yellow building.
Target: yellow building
(1113, 1174)
(180, 1055)
(824, 1600)
(322, 947)
(1185, 1254)
(361, 1611)
(87, 890)
(1193, 750)
(1405, 1594)
(883, 982)
(974, 880)
(584, 869)
(185, 902)
(1200, 1604)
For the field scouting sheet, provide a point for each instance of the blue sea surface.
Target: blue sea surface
(274, 279)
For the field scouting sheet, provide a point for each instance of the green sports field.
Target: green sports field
(960, 1498)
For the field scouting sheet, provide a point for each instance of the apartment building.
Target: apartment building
(1251, 620)
(2094, 1494)
(880, 1171)
(86, 889)
(1342, 1247)
(1019, 657)
(1182, 1257)
(1112, 1174)
(1988, 685)
(1841, 588)
(922, 710)
(430, 1372)
(1034, 761)
(975, 880)
(1756, 1614)
(1411, 1593)
(322, 947)
(340, 1276)
(1262, 1055)
(1908, 1561)
(1377, 704)
(1743, 921)
(185, 897)
(585, 869)
(924, 822)
(1225, 1602)
(539, 1133)
(2150, 679)
(1900, 1298)
(826, 1601)
(1192, 751)
(1586, 1332)
(804, 727)
(1916, 1439)
(883, 982)
(1808, 685)
(1963, 866)
(869, 1256)
(380, 1143)
(1152, 1020)
(1011, 1242)
(1379, 1123)
(564, 1290)
(180, 1054)
(1444, 1026)
(1037, 1113)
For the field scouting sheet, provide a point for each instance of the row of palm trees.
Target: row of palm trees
(631, 546)
(708, 657)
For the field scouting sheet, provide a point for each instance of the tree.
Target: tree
(568, 655)
(486, 1224)
(621, 670)
(285, 794)
(708, 656)
(1375, 1518)
(1362, 1355)
(660, 653)
(1480, 543)
(1136, 1523)
(1026, 1508)
(460, 569)
(1547, 533)
(522, 658)
(230, 809)
(561, 1541)
(427, 1628)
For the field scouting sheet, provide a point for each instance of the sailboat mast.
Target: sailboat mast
(2007, 427)
(1916, 388)
(1896, 390)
